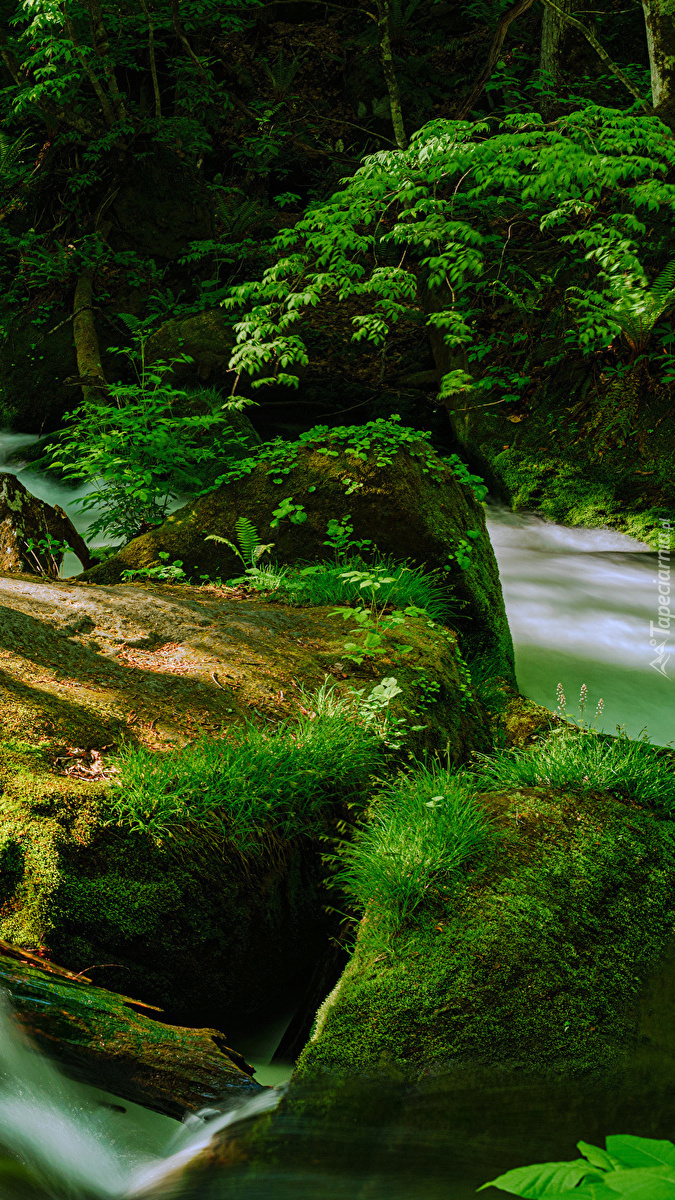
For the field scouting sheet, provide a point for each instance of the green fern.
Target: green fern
(630, 304)
(250, 549)
(247, 536)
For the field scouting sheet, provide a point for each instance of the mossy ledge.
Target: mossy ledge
(535, 962)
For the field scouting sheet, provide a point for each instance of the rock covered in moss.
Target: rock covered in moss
(28, 526)
(537, 960)
(396, 491)
(188, 925)
(98, 1038)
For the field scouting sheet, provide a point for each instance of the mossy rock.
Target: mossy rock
(524, 721)
(410, 511)
(89, 667)
(536, 961)
(189, 927)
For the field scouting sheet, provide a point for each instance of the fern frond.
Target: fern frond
(247, 536)
(663, 287)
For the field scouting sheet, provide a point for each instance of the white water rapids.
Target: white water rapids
(79, 1143)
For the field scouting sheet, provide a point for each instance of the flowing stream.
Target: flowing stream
(580, 603)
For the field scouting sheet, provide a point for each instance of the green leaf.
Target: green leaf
(545, 1179)
(640, 1152)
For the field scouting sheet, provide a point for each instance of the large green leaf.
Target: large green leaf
(546, 1179)
(643, 1183)
(640, 1152)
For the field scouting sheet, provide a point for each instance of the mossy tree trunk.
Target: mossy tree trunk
(660, 25)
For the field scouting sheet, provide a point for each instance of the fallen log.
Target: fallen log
(97, 1037)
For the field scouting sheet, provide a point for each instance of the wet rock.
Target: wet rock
(26, 527)
(97, 1037)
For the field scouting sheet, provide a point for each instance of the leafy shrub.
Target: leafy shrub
(421, 831)
(138, 451)
(582, 758)
(255, 787)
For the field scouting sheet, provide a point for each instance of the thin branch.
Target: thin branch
(102, 50)
(503, 23)
(590, 37)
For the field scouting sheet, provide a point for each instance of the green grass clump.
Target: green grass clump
(421, 832)
(325, 583)
(255, 787)
(581, 758)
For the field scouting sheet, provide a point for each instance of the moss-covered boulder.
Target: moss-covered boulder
(187, 921)
(187, 925)
(397, 492)
(536, 960)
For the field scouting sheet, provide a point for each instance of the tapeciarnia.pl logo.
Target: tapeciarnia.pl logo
(659, 631)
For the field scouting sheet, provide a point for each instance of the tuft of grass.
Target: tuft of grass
(324, 584)
(582, 758)
(421, 831)
(255, 787)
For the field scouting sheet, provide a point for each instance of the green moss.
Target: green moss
(574, 495)
(536, 961)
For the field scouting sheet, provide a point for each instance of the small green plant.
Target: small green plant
(429, 689)
(295, 512)
(462, 554)
(339, 537)
(419, 833)
(45, 555)
(643, 1168)
(165, 570)
(372, 621)
(250, 549)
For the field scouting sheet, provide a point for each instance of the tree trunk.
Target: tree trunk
(553, 32)
(389, 71)
(660, 25)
